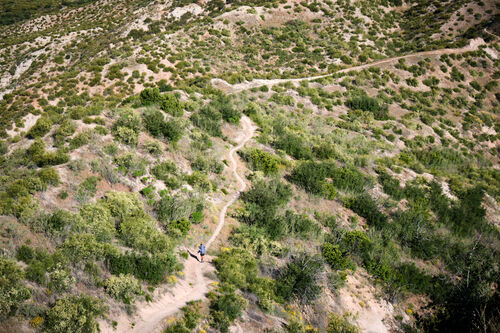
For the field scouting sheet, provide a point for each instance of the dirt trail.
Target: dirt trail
(149, 317)
(234, 88)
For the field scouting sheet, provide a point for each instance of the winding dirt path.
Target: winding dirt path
(150, 316)
(238, 87)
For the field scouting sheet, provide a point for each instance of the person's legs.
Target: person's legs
(202, 257)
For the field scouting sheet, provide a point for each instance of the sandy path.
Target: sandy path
(234, 88)
(249, 130)
(150, 316)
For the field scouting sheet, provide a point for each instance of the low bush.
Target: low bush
(153, 120)
(150, 96)
(12, 291)
(38, 155)
(87, 189)
(123, 288)
(80, 140)
(126, 136)
(49, 176)
(366, 103)
(171, 105)
(208, 119)
(123, 204)
(98, 221)
(74, 314)
(153, 147)
(337, 258)
(61, 280)
(173, 130)
(60, 221)
(42, 126)
(262, 161)
(25, 253)
(82, 247)
(366, 207)
(340, 324)
(177, 207)
(164, 170)
(299, 279)
(151, 268)
(294, 146)
(36, 272)
(263, 201)
(390, 185)
(141, 232)
(225, 306)
(181, 226)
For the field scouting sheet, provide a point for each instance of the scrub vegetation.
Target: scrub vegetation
(373, 174)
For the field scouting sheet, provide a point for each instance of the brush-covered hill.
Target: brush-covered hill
(372, 180)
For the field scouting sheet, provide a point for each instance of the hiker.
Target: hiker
(202, 251)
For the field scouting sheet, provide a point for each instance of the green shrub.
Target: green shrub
(390, 185)
(199, 180)
(173, 130)
(98, 221)
(150, 96)
(66, 129)
(74, 314)
(262, 203)
(336, 258)
(154, 148)
(182, 226)
(123, 288)
(141, 233)
(25, 253)
(311, 176)
(226, 108)
(294, 146)
(300, 225)
(60, 280)
(82, 247)
(171, 105)
(299, 279)
(87, 189)
(340, 324)
(366, 207)
(41, 157)
(36, 272)
(208, 119)
(163, 170)
(131, 164)
(60, 220)
(153, 120)
(256, 240)
(178, 207)
(49, 176)
(151, 268)
(225, 307)
(191, 314)
(41, 127)
(366, 103)
(12, 290)
(262, 161)
(126, 136)
(80, 139)
(123, 204)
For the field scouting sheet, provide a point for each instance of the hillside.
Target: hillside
(339, 159)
